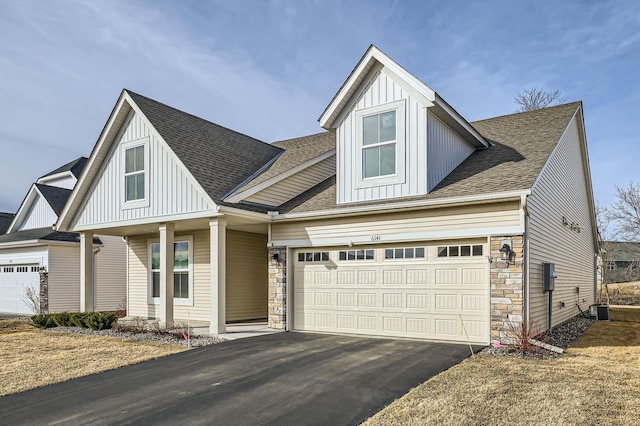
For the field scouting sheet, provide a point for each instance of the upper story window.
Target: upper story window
(380, 144)
(379, 135)
(135, 168)
(134, 173)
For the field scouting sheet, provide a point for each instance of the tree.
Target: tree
(626, 212)
(535, 98)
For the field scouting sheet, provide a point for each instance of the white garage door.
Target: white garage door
(419, 290)
(14, 280)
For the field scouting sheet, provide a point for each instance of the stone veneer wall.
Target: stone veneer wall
(277, 287)
(507, 289)
(44, 292)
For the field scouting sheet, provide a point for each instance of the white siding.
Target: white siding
(64, 182)
(111, 285)
(172, 190)
(247, 276)
(64, 278)
(296, 184)
(453, 222)
(561, 191)
(380, 90)
(41, 215)
(446, 149)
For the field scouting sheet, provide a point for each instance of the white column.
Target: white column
(86, 271)
(166, 272)
(218, 257)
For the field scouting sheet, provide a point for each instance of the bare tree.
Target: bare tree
(626, 211)
(535, 98)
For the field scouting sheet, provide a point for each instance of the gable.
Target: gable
(170, 189)
(38, 214)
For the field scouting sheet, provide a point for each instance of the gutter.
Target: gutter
(437, 203)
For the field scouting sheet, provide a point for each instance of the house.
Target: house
(33, 255)
(621, 261)
(400, 219)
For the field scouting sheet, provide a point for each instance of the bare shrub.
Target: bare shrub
(31, 298)
(121, 309)
(522, 334)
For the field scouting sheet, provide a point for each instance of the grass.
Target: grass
(31, 358)
(622, 293)
(597, 381)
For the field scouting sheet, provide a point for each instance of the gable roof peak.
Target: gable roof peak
(75, 167)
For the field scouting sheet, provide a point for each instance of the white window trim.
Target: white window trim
(399, 176)
(143, 202)
(176, 301)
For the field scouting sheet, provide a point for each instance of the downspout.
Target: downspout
(96, 250)
(525, 260)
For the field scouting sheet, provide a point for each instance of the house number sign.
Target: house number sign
(375, 238)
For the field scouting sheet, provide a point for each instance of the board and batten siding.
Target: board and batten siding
(172, 190)
(296, 184)
(64, 278)
(380, 90)
(41, 215)
(446, 150)
(247, 276)
(111, 273)
(561, 190)
(450, 222)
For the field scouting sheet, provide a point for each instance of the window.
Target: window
(356, 255)
(380, 140)
(611, 266)
(182, 275)
(22, 269)
(379, 144)
(134, 173)
(404, 253)
(313, 256)
(34, 269)
(8, 269)
(463, 251)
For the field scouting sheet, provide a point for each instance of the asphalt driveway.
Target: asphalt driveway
(283, 378)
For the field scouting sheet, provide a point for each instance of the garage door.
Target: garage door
(419, 290)
(14, 280)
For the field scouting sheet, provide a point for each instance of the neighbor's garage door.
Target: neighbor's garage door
(14, 280)
(416, 290)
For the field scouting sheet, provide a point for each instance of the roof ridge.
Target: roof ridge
(131, 92)
(533, 111)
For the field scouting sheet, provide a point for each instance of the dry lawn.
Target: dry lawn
(597, 381)
(31, 358)
(622, 293)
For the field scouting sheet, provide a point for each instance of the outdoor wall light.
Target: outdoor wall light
(505, 250)
(276, 257)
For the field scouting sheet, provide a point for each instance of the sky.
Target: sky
(269, 68)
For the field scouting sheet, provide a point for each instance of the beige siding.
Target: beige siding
(41, 215)
(172, 190)
(296, 184)
(111, 284)
(64, 278)
(247, 276)
(561, 191)
(453, 222)
(446, 149)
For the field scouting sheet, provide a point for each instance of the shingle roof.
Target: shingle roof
(43, 234)
(522, 145)
(296, 151)
(622, 251)
(219, 158)
(55, 196)
(74, 167)
(5, 221)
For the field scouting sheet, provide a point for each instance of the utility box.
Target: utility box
(549, 276)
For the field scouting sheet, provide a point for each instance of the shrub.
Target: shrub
(521, 335)
(100, 320)
(43, 321)
(121, 309)
(62, 319)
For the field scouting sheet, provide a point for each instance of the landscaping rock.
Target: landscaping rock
(196, 341)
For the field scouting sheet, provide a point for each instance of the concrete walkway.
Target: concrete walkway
(282, 378)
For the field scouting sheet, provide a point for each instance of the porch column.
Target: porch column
(218, 258)
(166, 272)
(86, 271)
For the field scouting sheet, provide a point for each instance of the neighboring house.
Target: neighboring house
(5, 221)
(33, 255)
(402, 219)
(621, 261)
